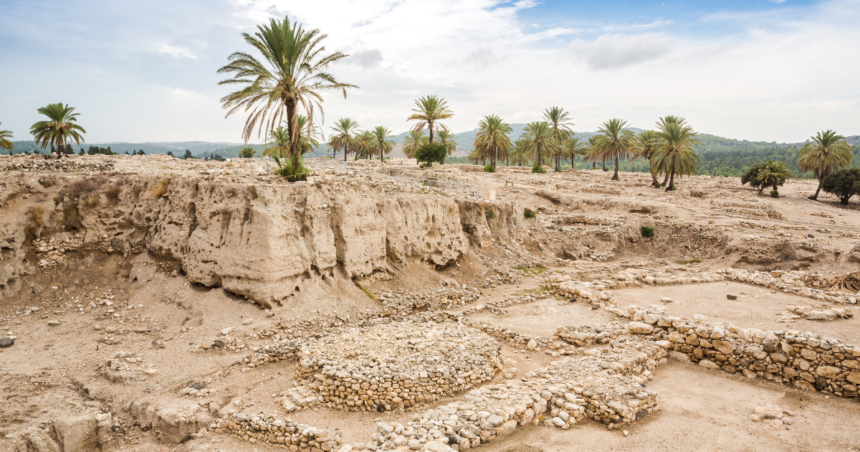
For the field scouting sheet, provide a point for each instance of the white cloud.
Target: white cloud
(176, 51)
(368, 59)
(632, 27)
(614, 51)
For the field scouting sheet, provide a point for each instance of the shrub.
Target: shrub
(766, 174)
(529, 213)
(489, 169)
(647, 231)
(290, 173)
(430, 153)
(246, 152)
(538, 170)
(751, 177)
(844, 183)
(774, 194)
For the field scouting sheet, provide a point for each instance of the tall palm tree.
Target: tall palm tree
(614, 141)
(492, 138)
(449, 140)
(561, 131)
(674, 141)
(381, 142)
(414, 140)
(826, 153)
(430, 110)
(538, 139)
(292, 74)
(5, 140)
(644, 148)
(62, 126)
(343, 139)
(573, 147)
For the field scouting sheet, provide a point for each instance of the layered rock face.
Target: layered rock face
(256, 240)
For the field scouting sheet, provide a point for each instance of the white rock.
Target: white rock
(532, 345)
(639, 328)
(226, 331)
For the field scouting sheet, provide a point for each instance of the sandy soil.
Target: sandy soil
(708, 411)
(756, 307)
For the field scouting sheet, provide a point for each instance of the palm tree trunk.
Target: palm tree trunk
(665, 179)
(654, 181)
(295, 152)
(815, 196)
(671, 181)
(539, 160)
(430, 126)
(615, 176)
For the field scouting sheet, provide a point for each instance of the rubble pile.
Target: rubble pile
(262, 429)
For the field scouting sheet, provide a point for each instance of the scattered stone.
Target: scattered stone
(6, 342)
(731, 296)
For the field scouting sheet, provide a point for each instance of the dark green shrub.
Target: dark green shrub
(489, 169)
(538, 170)
(430, 153)
(844, 183)
(774, 194)
(647, 231)
(529, 213)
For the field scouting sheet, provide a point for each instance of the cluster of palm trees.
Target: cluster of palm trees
(61, 127)
(668, 149)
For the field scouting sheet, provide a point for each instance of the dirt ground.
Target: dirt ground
(72, 322)
(708, 410)
(755, 307)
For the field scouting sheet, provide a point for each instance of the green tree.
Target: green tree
(343, 138)
(773, 174)
(61, 126)
(538, 139)
(188, 154)
(293, 74)
(674, 148)
(751, 176)
(492, 139)
(561, 131)
(614, 142)
(431, 152)
(170, 153)
(827, 152)
(573, 147)
(448, 139)
(430, 109)
(6, 140)
(245, 153)
(644, 147)
(843, 183)
(280, 144)
(414, 140)
(364, 144)
(381, 142)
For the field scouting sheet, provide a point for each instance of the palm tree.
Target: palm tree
(430, 110)
(292, 74)
(557, 119)
(573, 147)
(246, 152)
(308, 139)
(645, 148)
(280, 146)
(61, 127)
(381, 142)
(414, 140)
(518, 155)
(614, 141)
(492, 138)
(592, 153)
(827, 152)
(539, 139)
(343, 138)
(364, 143)
(674, 143)
(449, 140)
(5, 140)
(773, 174)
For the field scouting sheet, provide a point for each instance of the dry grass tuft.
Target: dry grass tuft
(35, 221)
(160, 188)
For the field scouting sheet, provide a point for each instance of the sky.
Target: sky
(776, 70)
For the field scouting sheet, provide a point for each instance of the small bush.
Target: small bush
(489, 169)
(647, 231)
(286, 170)
(774, 194)
(690, 261)
(489, 212)
(538, 170)
(529, 213)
